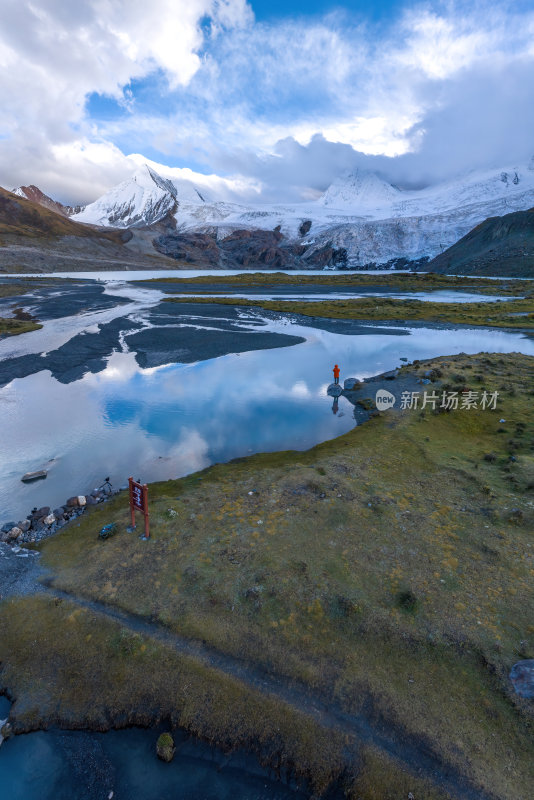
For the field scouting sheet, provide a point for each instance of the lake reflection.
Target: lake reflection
(168, 421)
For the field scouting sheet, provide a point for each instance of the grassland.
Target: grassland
(12, 327)
(389, 572)
(506, 314)
(424, 281)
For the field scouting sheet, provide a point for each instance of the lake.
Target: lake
(129, 385)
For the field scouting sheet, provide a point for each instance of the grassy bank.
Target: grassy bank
(390, 571)
(395, 280)
(12, 327)
(506, 314)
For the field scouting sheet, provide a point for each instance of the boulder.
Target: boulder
(14, 534)
(34, 476)
(7, 527)
(334, 390)
(90, 500)
(73, 502)
(82, 500)
(40, 512)
(165, 747)
(522, 677)
(49, 520)
(352, 384)
(24, 525)
(59, 513)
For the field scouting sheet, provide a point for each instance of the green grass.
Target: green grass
(391, 570)
(499, 315)
(425, 281)
(75, 668)
(12, 327)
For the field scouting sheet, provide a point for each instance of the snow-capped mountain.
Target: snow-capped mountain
(360, 191)
(374, 220)
(144, 198)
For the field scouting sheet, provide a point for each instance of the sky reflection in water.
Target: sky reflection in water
(168, 421)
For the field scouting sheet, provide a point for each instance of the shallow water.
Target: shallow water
(74, 765)
(437, 296)
(165, 421)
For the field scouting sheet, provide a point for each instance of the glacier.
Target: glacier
(360, 211)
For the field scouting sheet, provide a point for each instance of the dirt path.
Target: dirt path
(415, 754)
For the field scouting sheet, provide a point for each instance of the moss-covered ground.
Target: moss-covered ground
(505, 314)
(390, 571)
(425, 281)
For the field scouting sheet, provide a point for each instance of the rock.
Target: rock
(334, 390)
(403, 358)
(522, 677)
(24, 525)
(49, 520)
(4, 536)
(76, 502)
(59, 513)
(5, 730)
(352, 384)
(90, 500)
(8, 526)
(165, 747)
(41, 512)
(304, 227)
(14, 534)
(34, 476)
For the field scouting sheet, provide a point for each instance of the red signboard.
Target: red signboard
(139, 502)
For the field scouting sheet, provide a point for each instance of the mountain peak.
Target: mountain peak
(361, 190)
(141, 199)
(34, 194)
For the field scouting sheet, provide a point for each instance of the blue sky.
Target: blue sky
(272, 99)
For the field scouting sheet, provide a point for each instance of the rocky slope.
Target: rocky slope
(35, 238)
(498, 246)
(143, 199)
(34, 194)
(361, 221)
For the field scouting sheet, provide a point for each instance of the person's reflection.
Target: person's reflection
(335, 405)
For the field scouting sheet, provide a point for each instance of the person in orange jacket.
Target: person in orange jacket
(336, 374)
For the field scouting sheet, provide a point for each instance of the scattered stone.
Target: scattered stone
(522, 677)
(165, 747)
(34, 476)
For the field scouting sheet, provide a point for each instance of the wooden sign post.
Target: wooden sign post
(139, 502)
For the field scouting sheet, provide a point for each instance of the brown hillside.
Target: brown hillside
(20, 217)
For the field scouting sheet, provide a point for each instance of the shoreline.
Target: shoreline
(73, 559)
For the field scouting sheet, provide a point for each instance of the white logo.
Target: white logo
(384, 400)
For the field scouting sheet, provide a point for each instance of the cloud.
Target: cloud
(285, 105)
(54, 53)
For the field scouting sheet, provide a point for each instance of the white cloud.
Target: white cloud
(284, 106)
(54, 53)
